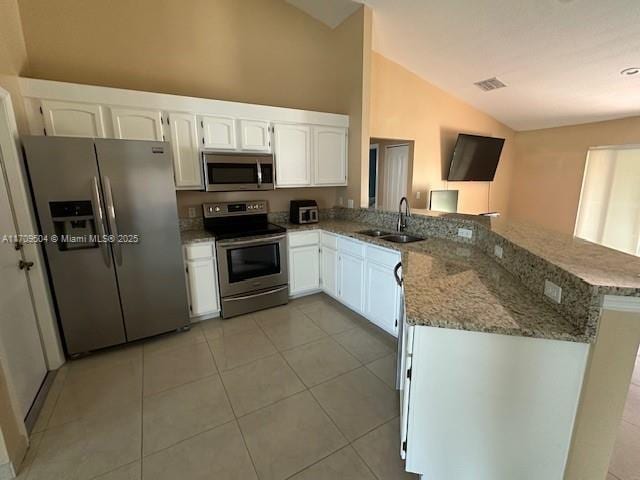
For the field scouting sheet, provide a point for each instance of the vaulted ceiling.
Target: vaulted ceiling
(560, 59)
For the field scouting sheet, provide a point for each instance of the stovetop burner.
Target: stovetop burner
(239, 219)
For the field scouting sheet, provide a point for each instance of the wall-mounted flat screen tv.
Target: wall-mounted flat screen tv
(475, 158)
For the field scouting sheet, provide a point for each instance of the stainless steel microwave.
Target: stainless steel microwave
(229, 172)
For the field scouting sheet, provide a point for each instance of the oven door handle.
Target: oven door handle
(251, 242)
(246, 297)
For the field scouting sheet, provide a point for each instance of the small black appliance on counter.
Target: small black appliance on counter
(303, 211)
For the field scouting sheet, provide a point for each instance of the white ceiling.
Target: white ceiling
(561, 59)
(329, 12)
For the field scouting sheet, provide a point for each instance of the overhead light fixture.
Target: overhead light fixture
(630, 71)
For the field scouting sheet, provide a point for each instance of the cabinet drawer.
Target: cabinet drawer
(329, 240)
(383, 256)
(301, 239)
(352, 247)
(199, 250)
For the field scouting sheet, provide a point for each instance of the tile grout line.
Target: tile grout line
(233, 411)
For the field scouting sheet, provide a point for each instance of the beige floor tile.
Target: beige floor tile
(380, 449)
(91, 446)
(291, 330)
(308, 300)
(239, 349)
(357, 401)
(385, 369)
(34, 443)
(50, 402)
(121, 354)
(216, 454)
(635, 379)
(89, 391)
(173, 340)
(363, 344)
(133, 471)
(264, 317)
(319, 361)
(218, 327)
(610, 476)
(260, 383)
(168, 369)
(288, 436)
(330, 318)
(343, 465)
(625, 461)
(182, 412)
(632, 407)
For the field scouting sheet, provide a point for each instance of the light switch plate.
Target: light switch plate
(350, 203)
(553, 291)
(498, 251)
(465, 233)
(192, 212)
(418, 195)
(340, 201)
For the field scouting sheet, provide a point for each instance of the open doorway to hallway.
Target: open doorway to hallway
(390, 172)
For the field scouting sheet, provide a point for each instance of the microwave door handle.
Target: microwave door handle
(259, 173)
(206, 171)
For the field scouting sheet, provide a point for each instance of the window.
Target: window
(609, 211)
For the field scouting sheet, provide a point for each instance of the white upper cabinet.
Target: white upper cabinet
(255, 135)
(183, 132)
(292, 155)
(330, 155)
(70, 119)
(137, 124)
(218, 133)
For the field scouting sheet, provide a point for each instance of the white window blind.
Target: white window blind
(609, 212)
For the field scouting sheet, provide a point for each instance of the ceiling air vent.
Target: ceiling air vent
(489, 84)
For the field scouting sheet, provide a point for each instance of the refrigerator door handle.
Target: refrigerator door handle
(99, 218)
(111, 215)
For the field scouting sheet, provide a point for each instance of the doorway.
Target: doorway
(20, 346)
(390, 172)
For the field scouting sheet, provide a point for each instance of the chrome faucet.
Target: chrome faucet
(402, 219)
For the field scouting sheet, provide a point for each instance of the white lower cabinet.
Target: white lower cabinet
(304, 262)
(382, 297)
(351, 281)
(202, 279)
(357, 274)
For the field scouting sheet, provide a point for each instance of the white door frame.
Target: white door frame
(20, 198)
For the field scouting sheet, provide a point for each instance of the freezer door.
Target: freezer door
(140, 199)
(63, 173)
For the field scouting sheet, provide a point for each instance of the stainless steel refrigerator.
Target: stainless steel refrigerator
(107, 211)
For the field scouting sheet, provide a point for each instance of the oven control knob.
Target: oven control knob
(217, 209)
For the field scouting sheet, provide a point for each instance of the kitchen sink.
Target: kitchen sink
(374, 233)
(401, 238)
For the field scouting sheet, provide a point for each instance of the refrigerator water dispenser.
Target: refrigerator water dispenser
(74, 224)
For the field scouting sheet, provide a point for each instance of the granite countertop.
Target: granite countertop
(196, 236)
(456, 286)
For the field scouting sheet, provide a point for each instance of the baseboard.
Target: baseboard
(7, 471)
(305, 293)
(206, 316)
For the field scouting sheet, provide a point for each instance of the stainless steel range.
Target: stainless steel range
(252, 256)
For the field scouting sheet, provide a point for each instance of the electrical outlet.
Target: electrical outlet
(192, 212)
(350, 203)
(418, 195)
(340, 201)
(553, 291)
(465, 233)
(498, 251)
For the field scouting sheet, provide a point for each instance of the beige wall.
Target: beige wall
(549, 166)
(256, 51)
(405, 106)
(13, 56)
